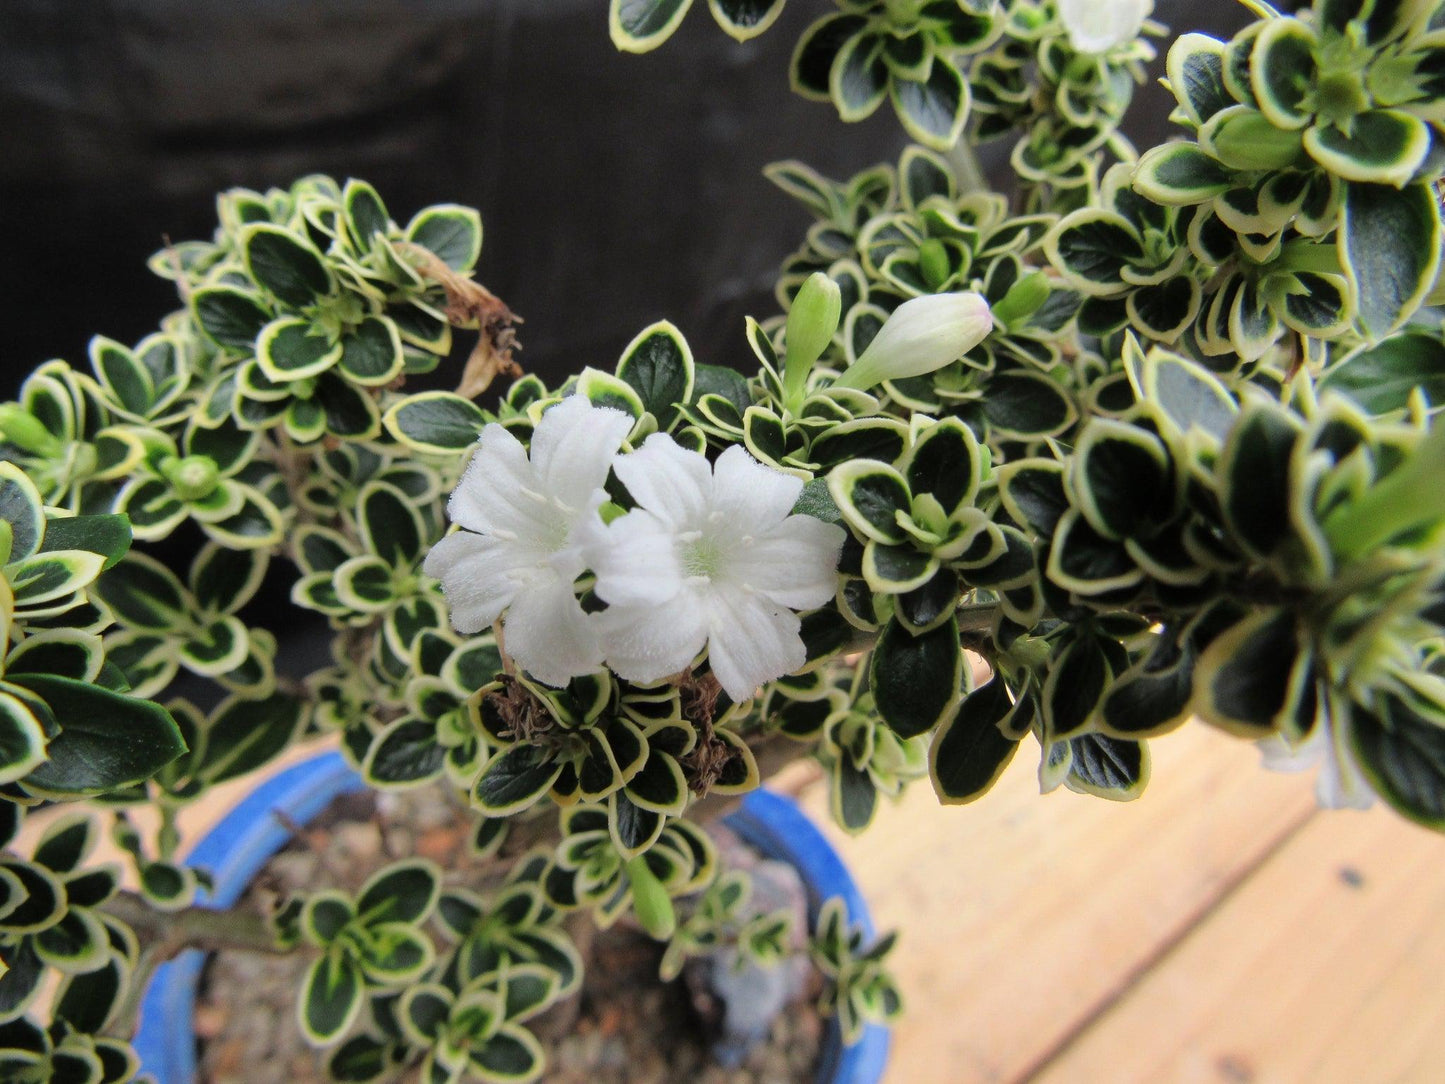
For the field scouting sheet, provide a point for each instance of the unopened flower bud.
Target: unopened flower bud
(923, 334)
(24, 430)
(1096, 26)
(650, 901)
(811, 323)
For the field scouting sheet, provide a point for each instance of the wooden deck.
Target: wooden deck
(1220, 929)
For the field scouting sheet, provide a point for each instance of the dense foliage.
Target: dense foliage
(1149, 435)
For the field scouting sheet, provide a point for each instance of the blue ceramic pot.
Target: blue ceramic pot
(240, 846)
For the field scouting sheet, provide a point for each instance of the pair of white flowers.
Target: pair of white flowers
(711, 555)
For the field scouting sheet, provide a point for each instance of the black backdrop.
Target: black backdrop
(614, 189)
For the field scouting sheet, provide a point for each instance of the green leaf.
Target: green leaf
(1122, 478)
(1242, 138)
(360, 1060)
(915, 679)
(371, 352)
(744, 19)
(107, 535)
(1381, 378)
(511, 1055)
(224, 580)
(933, 111)
(1087, 562)
(1178, 174)
(1282, 70)
(289, 267)
(331, 998)
(870, 495)
(232, 317)
(23, 509)
(1403, 756)
(1027, 406)
(945, 461)
(22, 739)
(1153, 696)
(1108, 767)
(215, 649)
(658, 364)
(77, 943)
(1250, 678)
(86, 1001)
(106, 740)
(351, 413)
(639, 26)
(402, 892)
(452, 232)
(1077, 680)
(515, 780)
(895, 569)
(404, 754)
(245, 734)
(122, 374)
(1033, 493)
(65, 843)
(293, 349)
(1389, 244)
(366, 212)
(858, 81)
(816, 50)
(1091, 247)
(729, 384)
(49, 576)
(1196, 75)
(435, 422)
(605, 390)
(970, 750)
(389, 524)
(1254, 468)
(1383, 147)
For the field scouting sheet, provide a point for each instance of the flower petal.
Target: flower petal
(648, 643)
(794, 564)
(750, 643)
(549, 635)
(748, 493)
(635, 560)
(670, 481)
(573, 446)
(499, 491)
(478, 576)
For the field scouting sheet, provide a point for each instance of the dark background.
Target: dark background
(614, 189)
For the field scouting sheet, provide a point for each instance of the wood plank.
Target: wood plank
(1324, 966)
(1021, 915)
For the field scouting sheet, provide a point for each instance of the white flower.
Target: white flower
(923, 334)
(1096, 26)
(711, 556)
(525, 522)
(1340, 784)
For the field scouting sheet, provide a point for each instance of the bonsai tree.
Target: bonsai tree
(1150, 436)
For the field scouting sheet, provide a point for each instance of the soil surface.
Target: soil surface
(626, 1027)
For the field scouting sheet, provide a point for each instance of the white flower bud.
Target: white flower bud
(922, 335)
(1096, 26)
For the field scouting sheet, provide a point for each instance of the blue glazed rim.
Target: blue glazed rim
(237, 849)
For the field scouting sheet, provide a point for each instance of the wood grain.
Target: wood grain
(1022, 915)
(1325, 966)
